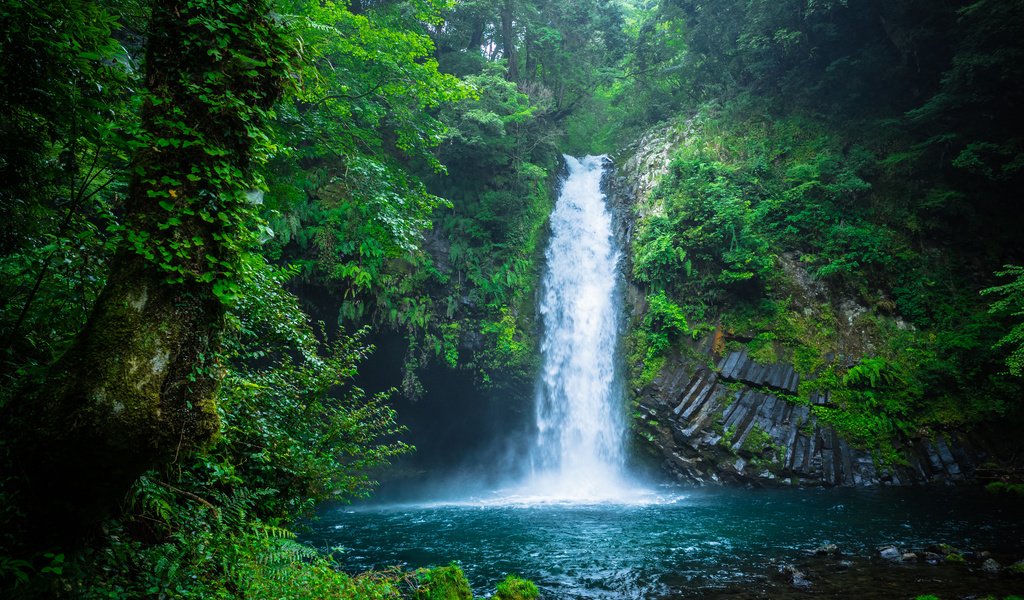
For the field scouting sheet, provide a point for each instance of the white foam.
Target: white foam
(578, 454)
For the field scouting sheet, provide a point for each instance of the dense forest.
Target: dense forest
(183, 179)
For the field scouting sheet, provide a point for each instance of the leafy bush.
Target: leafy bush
(295, 431)
(664, 323)
(1011, 303)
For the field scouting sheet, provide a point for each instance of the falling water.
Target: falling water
(579, 448)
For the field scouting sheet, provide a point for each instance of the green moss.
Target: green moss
(756, 441)
(516, 588)
(1003, 487)
(955, 558)
(727, 435)
(806, 359)
(761, 446)
(652, 366)
(442, 583)
(762, 348)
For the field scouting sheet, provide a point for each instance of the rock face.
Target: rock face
(735, 420)
(713, 416)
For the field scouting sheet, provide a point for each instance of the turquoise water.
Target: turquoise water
(684, 541)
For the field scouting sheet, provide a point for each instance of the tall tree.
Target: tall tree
(137, 386)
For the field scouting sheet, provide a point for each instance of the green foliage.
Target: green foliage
(299, 427)
(744, 182)
(706, 236)
(759, 444)
(212, 548)
(871, 403)
(66, 90)
(516, 588)
(348, 205)
(442, 583)
(507, 352)
(1011, 303)
(664, 324)
(363, 182)
(202, 138)
(295, 431)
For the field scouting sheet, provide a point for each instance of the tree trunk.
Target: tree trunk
(509, 41)
(477, 38)
(138, 386)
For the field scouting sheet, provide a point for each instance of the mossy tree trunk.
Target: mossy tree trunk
(138, 386)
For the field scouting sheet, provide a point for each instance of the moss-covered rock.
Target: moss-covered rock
(442, 583)
(516, 588)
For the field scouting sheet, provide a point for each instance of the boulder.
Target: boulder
(795, 577)
(991, 566)
(908, 557)
(827, 550)
(890, 553)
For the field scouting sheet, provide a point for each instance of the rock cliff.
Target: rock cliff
(717, 415)
(738, 421)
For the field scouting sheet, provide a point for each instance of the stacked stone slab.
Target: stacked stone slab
(698, 419)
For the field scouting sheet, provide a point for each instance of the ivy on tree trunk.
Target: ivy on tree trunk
(138, 386)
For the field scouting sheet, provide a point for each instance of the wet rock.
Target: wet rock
(991, 566)
(890, 553)
(795, 577)
(732, 425)
(844, 564)
(932, 558)
(800, 582)
(908, 557)
(827, 550)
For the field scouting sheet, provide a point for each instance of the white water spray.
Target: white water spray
(578, 455)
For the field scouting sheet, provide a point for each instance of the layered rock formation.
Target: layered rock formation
(739, 421)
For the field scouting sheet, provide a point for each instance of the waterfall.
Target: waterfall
(578, 453)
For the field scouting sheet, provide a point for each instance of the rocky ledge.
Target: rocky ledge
(737, 421)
